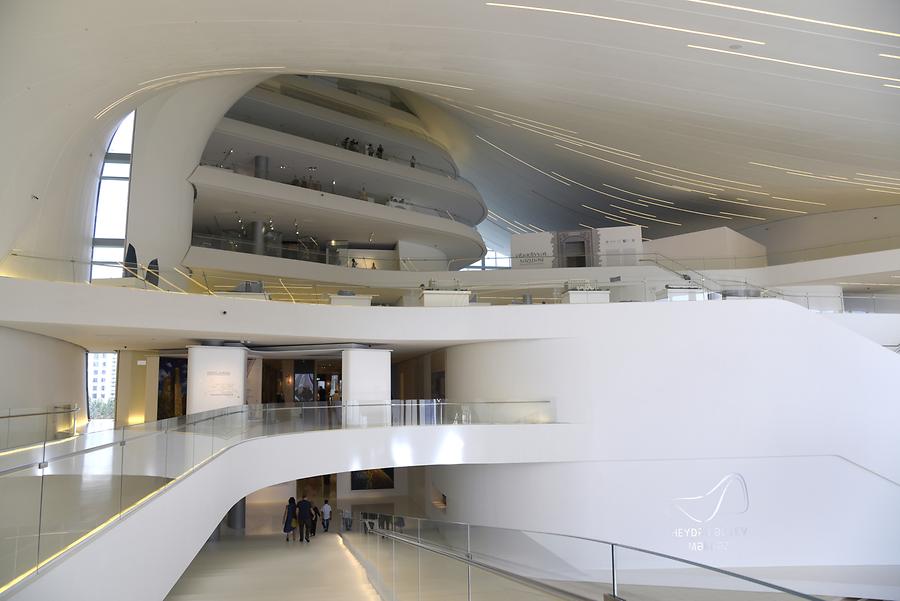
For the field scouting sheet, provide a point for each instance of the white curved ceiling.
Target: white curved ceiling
(787, 100)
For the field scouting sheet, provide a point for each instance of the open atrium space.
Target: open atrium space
(450, 300)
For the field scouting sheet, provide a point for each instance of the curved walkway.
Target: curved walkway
(265, 568)
(166, 518)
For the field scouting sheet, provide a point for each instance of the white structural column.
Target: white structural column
(366, 380)
(217, 377)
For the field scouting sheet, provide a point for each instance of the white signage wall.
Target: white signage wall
(618, 246)
(366, 386)
(533, 251)
(216, 377)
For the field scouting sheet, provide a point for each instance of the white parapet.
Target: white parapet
(357, 300)
(444, 298)
(585, 297)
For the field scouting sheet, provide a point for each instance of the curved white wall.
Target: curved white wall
(800, 410)
(38, 371)
(803, 516)
(829, 234)
(170, 134)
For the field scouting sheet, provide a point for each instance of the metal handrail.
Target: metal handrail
(124, 435)
(73, 409)
(613, 546)
(467, 559)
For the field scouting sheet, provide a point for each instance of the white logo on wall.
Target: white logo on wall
(728, 497)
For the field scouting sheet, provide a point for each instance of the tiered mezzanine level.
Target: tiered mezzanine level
(324, 198)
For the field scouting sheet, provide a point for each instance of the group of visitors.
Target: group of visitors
(370, 150)
(304, 516)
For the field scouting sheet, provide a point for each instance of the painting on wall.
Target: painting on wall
(171, 396)
(372, 479)
(304, 381)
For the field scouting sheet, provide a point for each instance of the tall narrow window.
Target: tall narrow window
(102, 404)
(112, 204)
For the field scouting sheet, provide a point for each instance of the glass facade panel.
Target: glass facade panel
(114, 254)
(122, 139)
(112, 209)
(116, 170)
(110, 224)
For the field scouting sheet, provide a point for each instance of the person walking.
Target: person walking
(315, 518)
(412, 161)
(290, 520)
(326, 516)
(304, 517)
(345, 143)
(347, 516)
(379, 152)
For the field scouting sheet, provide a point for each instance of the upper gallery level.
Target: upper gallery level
(348, 173)
(291, 159)
(309, 108)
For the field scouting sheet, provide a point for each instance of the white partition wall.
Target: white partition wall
(217, 377)
(366, 380)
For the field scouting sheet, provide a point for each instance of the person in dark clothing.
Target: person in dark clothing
(412, 161)
(345, 143)
(315, 518)
(304, 516)
(379, 152)
(290, 520)
(323, 396)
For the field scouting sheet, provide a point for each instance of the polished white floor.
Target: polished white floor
(266, 568)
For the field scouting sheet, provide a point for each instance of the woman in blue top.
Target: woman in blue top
(290, 519)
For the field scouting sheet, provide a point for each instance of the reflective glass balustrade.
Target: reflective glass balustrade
(418, 558)
(57, 492)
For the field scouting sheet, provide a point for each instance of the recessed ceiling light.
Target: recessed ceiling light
(879, 176)
(626, 21)
(210, 72)
(613, 216)
(428, 83)
(642, 215)
(744, 216)
(796, 18)
(744, 202)
(794, 63)
(807, 202)
(512, 156)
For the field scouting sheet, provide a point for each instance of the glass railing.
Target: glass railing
(669, 284)
(417, 558)
(331, 186)
(26, 427)
(315, 98)
(56, 494)
(352, 258)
